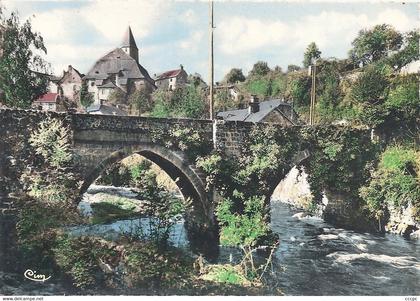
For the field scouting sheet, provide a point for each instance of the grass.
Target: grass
(226, 274)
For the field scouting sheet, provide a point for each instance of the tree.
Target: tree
(23, 72)
(369, 91)
(117, 96)
(330, 94)
(234, 75)
(291, 68)
(374, 44)
(298, 88)
(141, 100)
(86, 98)
(186, 101)
(312, 52)
(409, 53)
(260, 68)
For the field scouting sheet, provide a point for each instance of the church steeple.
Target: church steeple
(129, 45)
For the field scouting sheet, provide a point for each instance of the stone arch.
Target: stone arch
(176, 166)
(297, 161)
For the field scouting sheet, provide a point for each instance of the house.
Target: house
(172, 79)
(120, 69)
(70, 83)
(48, 102)
(272, 111)
(233, 91)
(53, 83)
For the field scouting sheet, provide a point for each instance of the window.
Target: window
(92, 84)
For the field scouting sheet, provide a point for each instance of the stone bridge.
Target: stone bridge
(101, 140)
(98, 141)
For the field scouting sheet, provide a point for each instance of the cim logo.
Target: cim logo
(32, 275)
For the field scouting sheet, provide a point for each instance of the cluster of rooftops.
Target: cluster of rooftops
(120, 68)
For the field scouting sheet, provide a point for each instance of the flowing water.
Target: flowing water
(313, 257)
(318, 259)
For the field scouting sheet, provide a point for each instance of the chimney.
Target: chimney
(182, 67)
(254, 105)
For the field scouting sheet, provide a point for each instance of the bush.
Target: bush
(149, 267)
(394, 182)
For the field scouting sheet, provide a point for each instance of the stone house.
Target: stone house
(172, 79)
(271, 111)
(233, 91)
(70, 83)
(48, 102)
(119, 69)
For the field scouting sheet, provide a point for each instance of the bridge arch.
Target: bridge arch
(176, 166)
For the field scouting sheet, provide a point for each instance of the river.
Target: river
(314, 258)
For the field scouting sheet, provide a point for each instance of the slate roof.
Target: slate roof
(108, 85)
(118, 62)
(48, 97)
(104, 110)
(168, 74)
(266, 107)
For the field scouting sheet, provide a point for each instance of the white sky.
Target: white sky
(170, 33)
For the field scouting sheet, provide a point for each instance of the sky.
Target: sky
(170, 33)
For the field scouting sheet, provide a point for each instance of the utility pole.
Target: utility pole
(211, 58)
(313, 94)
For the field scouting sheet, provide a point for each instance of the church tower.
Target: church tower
(129, 45)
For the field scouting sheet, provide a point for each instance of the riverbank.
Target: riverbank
(294, 190)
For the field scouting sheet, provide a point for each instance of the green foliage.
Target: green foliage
(369, 91)
(403, 100)
(153, 268)
(292, 68)
(339, 160)
(117, 96)
(262, 87)
(191, 141)
(223, 100)
(374, 44)
(51, 190)
(266, 152)
(23, 72)
(396, 181)
(114, 208)
(245, 229)
(234, 75)
(298, 90)
(259, 69)
(311, 54)
(141, 100)
(86, 98)
(329, 91)
(52, 141)
(79, 258)
(226, 274)
(187, 101)
(116, 175)
(409, 53)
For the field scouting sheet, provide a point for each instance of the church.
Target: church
(118, 70)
